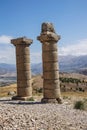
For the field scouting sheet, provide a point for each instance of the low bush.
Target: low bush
(65, 97)
(79, 105)
(31, 99)
(39, 90)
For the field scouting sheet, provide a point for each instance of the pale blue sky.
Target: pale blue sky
(24, 18)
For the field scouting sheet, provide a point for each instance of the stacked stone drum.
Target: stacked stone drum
(51, 85)
(24, 89)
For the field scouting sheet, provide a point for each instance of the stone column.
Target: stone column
(51, 85)
(24, 89)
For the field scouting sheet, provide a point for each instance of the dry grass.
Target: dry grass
(75, 94)
(4, 90)
(37, 82)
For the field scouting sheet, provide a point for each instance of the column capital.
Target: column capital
(48, 36)
(21, 41)
(48, 33)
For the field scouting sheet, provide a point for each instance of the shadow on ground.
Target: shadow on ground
(16, 102)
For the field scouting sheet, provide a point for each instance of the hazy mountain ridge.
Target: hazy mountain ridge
(66, 64)
(7, 69)
(72, 63)
(36, 68)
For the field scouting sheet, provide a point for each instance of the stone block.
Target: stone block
(47, 27)
(50, 56)
(24, 67)
(23, 92)
(51, 84)
(49, 100)
(22, 50)
(52, 66)
(22, 59)
(51, 93)
(23, 75)
(24, 83)
(49, 46)
(51, 75)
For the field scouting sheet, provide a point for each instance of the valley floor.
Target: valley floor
(25, 115)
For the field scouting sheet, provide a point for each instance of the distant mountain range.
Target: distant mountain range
(73, 63)
(77, 64)
(7, 69)
(66, 64)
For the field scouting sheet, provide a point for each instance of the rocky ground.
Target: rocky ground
(21, 115)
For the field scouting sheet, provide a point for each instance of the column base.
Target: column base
(21, 98)
(48, 100)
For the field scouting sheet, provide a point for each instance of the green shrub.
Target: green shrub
(85, 100)
(39, 90)
(85, 103)
(31, 99)
(79, 105)
(80, 89)
(76, 88)
(65, 97)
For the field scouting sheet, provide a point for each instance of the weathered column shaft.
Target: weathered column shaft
(50, 63)
(50, 71)
(24, 89)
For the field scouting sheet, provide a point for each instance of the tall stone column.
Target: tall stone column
(24, 89)
(51, 85)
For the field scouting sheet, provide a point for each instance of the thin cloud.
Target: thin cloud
(7, 51)
(5, 39)
(36, 57)
(80, 48)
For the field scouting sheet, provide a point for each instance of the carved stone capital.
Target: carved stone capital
(48, 36)
(48, 33)
(21, 41)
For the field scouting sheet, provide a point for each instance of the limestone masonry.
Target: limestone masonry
(51, 85)
(24, 89)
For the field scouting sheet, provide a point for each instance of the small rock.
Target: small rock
(11, 93)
